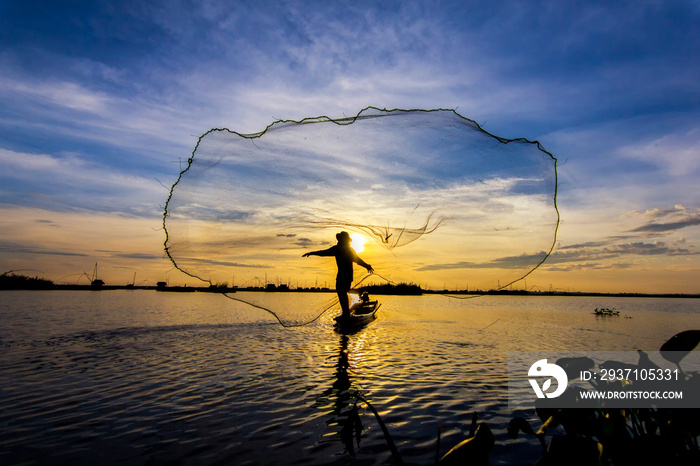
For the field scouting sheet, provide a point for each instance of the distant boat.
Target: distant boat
(96, 283)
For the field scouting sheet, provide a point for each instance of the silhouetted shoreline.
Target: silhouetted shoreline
(20, 282)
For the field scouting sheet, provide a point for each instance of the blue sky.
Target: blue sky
(101, 100)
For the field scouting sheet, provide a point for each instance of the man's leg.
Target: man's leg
(343, 298)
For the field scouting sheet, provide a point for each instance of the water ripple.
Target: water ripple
(167, 390)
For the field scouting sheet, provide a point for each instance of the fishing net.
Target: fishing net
(438, 202)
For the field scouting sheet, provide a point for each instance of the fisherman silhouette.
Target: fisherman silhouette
(344, 258)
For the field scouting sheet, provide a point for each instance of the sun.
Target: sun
(358, 241)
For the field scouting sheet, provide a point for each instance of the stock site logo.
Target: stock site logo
(542, 369)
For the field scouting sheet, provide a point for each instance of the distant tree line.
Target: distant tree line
(11, 281)
(398, 289)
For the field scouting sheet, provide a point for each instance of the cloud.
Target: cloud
(20, 248)
(139, 256)
(67, 95)
(670, 226)
(301, 242)
(681, 218)
(523, 261)
(204, 261)
(613, 255)
(674, 154)
(69, 181)
(304, 242)
(632, 248)
(47, 222)
(584, 255)
(114, 127)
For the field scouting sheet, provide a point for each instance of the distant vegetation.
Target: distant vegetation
(398, 289)
(606, 312)
(11, 281)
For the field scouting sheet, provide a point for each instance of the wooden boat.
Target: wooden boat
(361, 314)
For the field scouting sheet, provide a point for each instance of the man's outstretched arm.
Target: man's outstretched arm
(324, 252)
(363, 264)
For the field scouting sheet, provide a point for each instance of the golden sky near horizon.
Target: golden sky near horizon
(124, 245)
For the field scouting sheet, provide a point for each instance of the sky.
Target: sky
(103, 102)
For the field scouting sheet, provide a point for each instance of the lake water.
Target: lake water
(144, 377)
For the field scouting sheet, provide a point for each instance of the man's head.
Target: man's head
(343, 238)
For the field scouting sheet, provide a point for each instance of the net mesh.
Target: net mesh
(441, 203)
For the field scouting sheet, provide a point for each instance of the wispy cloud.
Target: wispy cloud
(613, 250)
(185, 261)
(658, 227)
(520, 262)
(69, 182)
(20, 248)
(680, 218)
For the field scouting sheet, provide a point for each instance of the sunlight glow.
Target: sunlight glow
(358, 242)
